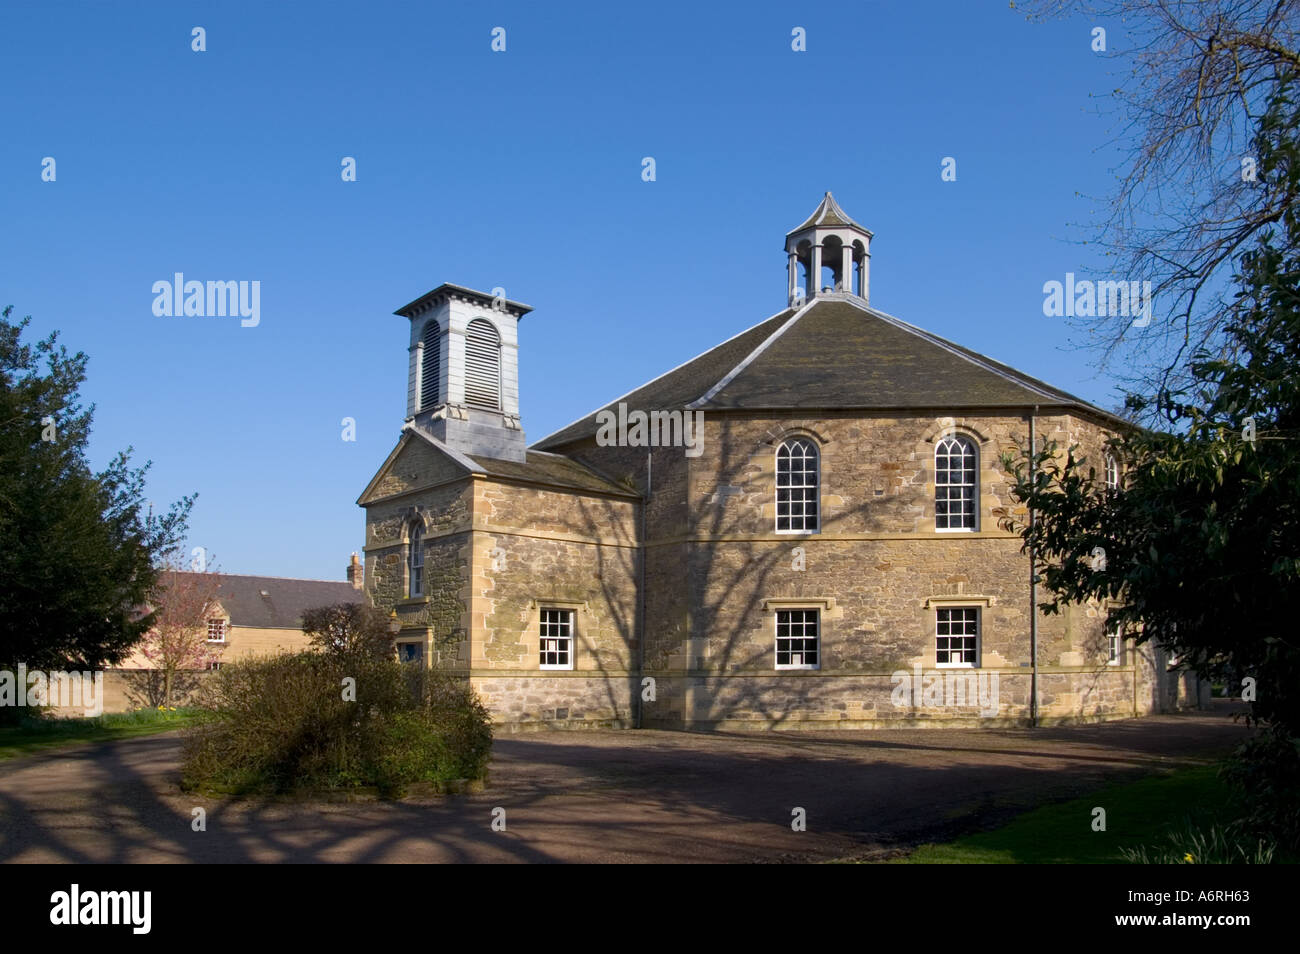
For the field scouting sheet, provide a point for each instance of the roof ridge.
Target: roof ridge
(263, 576)
(978, 359)
(579, 420)
(751, 357)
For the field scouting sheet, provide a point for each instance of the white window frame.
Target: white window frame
(1114, 648)
(966, 441)
(816, 487)
(776, 638)
(414, 562)
(543, 638)
(1112, 472)
(979, 636)
(223, 628)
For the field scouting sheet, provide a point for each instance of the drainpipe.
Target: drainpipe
(640, 600)
(1033, 591)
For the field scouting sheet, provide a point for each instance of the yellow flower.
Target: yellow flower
(1188, 858)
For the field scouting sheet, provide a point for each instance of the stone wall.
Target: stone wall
(554, 700)
(877, 570)
(242, 642)
(127, 689)
(717, 572)
(536, 548)
(819, 701)
(439, 618)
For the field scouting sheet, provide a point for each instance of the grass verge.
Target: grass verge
(1138, 814)
(43, 734)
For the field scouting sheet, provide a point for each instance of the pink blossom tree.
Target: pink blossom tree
(182, 602)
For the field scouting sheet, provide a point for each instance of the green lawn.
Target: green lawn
(1137, 813)
(38, 735)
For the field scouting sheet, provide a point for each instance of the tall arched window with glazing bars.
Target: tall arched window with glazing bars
(1112, 472)
(956, 484)
(415, 562)
(798, 480)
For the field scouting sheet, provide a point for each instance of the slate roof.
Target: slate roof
(551, 469)
(282, 606)
(539, 468)
(836, 352)
(679, 386)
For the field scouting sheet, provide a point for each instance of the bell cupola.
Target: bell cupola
(835, 253)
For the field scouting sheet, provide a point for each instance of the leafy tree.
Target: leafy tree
(78, 549)
(349, 629)
(1201, 545)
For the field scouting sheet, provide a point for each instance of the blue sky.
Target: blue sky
(519, 169)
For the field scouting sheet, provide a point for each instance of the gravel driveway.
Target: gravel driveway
(644, 796)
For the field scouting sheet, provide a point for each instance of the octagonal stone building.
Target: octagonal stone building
(798, 528)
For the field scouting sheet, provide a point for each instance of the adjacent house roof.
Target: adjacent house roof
(277, 602)
(836, 352)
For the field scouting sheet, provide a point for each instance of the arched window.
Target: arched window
(956, 484)
(431, 365)
(483, 365)
(797, 487)
(1112, 473)
(415, 561)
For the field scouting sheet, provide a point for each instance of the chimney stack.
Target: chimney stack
(355, 572)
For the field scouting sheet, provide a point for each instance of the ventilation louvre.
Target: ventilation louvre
(483, 365)
(432, 364)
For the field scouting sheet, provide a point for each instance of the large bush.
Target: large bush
(319, 721)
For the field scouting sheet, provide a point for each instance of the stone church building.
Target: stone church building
(797, 528)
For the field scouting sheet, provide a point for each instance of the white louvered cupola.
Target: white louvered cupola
(463, 373)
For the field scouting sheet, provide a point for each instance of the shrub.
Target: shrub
(11, 716)
(349, 629)
(1264, 771)
(287, 723)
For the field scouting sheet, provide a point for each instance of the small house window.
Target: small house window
(216, 630)
(410, 653)
(798, 639)
(957, 631)
(1112, 473)
(556, 639)
(1114, 648)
